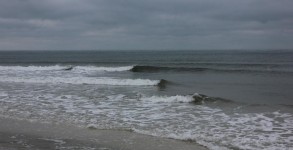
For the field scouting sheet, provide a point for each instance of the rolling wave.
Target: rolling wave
(144, 69)
(153, 69)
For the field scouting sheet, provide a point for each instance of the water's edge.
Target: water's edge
(23, 134)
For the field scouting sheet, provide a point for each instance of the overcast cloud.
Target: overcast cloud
(145, 24)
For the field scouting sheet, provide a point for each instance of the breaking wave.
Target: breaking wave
(83, 80)
(109, 69)
(143, 68)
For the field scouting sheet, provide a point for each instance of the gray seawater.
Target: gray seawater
(252, 92)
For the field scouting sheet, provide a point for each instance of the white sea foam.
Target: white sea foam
(108, 69)
(222, 131)
(3, 94)
(53, 140)
(32, 68)
(169, 99)
(81, 80)
(208, 126)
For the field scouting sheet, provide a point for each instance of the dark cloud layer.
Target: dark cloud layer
(148, 24)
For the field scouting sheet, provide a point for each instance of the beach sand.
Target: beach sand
(22, 134)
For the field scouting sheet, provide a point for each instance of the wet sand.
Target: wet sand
(21, 134)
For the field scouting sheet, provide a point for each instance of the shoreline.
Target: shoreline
(22, 134)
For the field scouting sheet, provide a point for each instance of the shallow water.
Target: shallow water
(252, 107)
(18, 134)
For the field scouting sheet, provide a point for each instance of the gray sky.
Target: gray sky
(146, 24)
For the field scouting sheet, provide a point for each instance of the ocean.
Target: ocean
(222, 99)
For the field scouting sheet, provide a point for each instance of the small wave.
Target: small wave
(202, 99)
(84, 80)
(163, 83)
(68, 69)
